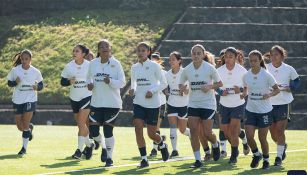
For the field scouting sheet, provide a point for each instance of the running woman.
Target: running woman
(258, 83)
(147, 80)
(231, 106)
(177, 102)
(203, 79)
(26, 81)
(74, 75)
(288, 81)
(105, 78)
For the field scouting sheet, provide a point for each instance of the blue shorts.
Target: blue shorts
(103, 115)
(180, 112)
(82, 104)
(260, 120)
(149, 115)
(202, 113)
(280, 112)
(228, 113)
(25, 107)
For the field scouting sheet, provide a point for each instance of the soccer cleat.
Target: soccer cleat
(77, 154)
(164, 152)
(22, 152)
(163, 137)
(284, 153)
(144, 163)
(31, 126)
(265, 165)
(196, 164)
(223, 154)
(255, 161)
(104, 155)
(246, 149)
(233, 160)
(174, 153)
(207, 157)
(216, 152)
(278, 161)
(89, 151)
(109, 162)
(153, 153)
(96, 145)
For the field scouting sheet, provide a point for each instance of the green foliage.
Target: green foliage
(51, 38)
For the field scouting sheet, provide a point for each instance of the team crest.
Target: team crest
(112, 65)
(255, 78)
(79, 68)
(196, 75)
(25, 73)
(229, 73)
(174, 77)
(147, 68)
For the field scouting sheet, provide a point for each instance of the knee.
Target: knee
(152, 135)
(94, 130)
(108, 131)
(182, 130)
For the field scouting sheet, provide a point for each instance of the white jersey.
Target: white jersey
(162, 95)
(24, 91)
(206, 74)
(231, 78)
(106, 95)
(147, 77)
(175, 99)
(283, 74)
(78, 90)
(258, 85)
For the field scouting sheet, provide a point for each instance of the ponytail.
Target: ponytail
(17, 57)
(83, 48)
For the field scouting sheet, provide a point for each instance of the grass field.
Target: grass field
(52, 147)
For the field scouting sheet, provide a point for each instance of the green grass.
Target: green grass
(52, 147)
(52, 36)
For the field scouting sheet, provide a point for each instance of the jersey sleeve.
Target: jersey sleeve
(215, 75)
(65, 72)
(121, 80)
(11, 76)
(161, 77)
(293, 74)
(39, 76)
(89, 78)
(183, 78)
(133, 78)
(271, 79)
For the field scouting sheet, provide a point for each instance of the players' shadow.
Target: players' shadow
(92, 170)
(136, 158)
(63, 163)
(273, 169)
(10, 156)
(137, 170)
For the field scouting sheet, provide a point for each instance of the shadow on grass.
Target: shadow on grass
(273, 169)
(10, 156)
(65, 162)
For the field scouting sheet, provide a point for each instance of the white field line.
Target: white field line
(151, 162)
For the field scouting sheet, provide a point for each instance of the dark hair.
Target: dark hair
(156, 55)
(279, 49)
(83, 48)
(147, 46)
(100, 42)
(177, 56)
(17, 57)
(200, 46)
(221, 60)
(259, 55)
(232, 50)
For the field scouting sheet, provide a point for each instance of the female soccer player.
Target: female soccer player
(26, 80)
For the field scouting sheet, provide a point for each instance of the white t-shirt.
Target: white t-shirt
(206, 74)
(175, 99)
(283, 74)
(78, 91)
(162, 95)
(147, 77)
(258, 85)
(24, 91)
(231, 78)
(106, 95)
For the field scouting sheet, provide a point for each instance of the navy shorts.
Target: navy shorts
(180, 112)
(82, 104)
(260, 120)
(280, 112)
(228, 113)
(25, 107)
(162, 111)
(149, 115)
(103, 115)
(202, 113)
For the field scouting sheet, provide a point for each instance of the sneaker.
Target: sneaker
(22, 152)
(246, 149)
(216, 152)
(284, 153)
(232, 160)
(255, 161)
(144, 163)
(164, 152)
(163, 138)
(77, 154)
(278, 161)
(84, 151)
(223, 154)
(265, 165)
(174, 153)
(89, 151)
(31, 126)
(109, 162)
(96, 145)
(153, 153)
(104, 155)
(196, 164)
(207, 157)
